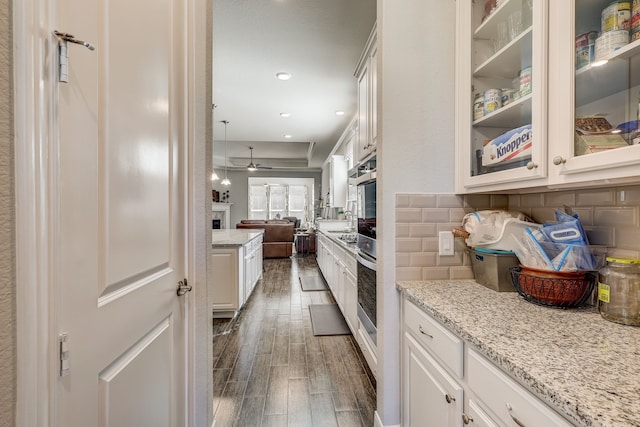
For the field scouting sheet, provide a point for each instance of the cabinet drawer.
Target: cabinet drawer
(507, 399)
(434, 337)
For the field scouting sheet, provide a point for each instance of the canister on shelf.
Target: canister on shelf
(610, 41)
(525, 81)
(585, 48)
(507, 96)
(616, 16)
(492, 100)
(619, 291)
(635, 21)
(478, 106)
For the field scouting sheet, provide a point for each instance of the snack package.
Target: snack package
(511, 146)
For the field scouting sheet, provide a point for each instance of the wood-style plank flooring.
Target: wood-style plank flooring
(270, 370)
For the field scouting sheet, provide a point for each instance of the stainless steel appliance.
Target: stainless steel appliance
(366, 253)
(366, 280)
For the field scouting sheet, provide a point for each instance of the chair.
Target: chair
(294, 220)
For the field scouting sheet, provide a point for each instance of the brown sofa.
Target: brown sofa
(277, 241)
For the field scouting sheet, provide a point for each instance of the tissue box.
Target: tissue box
(491, 268)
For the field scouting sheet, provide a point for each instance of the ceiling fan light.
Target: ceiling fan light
(251, 167)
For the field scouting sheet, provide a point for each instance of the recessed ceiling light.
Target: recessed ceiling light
(339, 113)
(288, 136)
(285, 114)
(283, 76)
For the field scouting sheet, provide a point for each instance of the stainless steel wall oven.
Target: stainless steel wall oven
(366, 254)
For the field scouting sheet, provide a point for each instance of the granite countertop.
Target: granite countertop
(586, 367)
(333, 235)
(233, 237)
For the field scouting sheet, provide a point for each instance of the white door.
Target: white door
(122, 215)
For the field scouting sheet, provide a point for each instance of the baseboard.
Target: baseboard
(377, 422)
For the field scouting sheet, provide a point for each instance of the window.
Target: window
(276, 199)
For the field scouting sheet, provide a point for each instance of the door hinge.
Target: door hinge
(63, 345)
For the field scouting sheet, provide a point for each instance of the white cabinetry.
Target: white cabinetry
(234, 274)
(445, 382)
(367, 74)
(335, 178)
(560, 95)
(338, 267)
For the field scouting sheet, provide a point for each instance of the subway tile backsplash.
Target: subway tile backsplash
(610, 216)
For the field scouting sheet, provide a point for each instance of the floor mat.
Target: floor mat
(313, 283)
(326, 319)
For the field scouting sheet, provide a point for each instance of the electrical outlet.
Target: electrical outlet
(445, 243)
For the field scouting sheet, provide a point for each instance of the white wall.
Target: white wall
(415, 148)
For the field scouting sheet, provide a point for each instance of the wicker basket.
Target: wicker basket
(553, 288)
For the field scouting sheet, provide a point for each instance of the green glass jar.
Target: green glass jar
(619, 291)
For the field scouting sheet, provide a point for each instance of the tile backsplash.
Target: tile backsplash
(610, 216)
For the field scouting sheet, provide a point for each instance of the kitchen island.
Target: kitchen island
(236, 267)
(584, 367)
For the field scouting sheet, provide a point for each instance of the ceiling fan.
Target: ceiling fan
(255, 166)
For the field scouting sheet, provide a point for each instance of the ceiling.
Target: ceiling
(319, 43)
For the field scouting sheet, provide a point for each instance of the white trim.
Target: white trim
(33, 73)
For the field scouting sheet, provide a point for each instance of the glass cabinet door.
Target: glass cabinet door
(602, 139)
(501, 91)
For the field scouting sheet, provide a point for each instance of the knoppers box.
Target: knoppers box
(511, 146)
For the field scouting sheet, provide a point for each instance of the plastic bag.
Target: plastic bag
(559, 246)
(493, 228)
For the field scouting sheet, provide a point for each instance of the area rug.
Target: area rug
(326, 319)
(313, 282)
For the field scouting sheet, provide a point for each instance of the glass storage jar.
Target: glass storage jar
(619, 291)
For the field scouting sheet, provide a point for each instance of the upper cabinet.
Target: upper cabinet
(501, 93)
(594, 91)
(535, 107)
(366, 73)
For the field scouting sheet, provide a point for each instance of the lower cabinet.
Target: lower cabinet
(433, 397)
(338, 267)
(446, 382)
(236, 270)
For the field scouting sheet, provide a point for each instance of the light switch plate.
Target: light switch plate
(445, 243)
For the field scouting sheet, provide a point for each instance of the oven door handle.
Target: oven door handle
(366, 260)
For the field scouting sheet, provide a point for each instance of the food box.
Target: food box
(491, 268)
(593, 135)
(511, 146)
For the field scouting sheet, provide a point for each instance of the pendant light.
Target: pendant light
(225, 181)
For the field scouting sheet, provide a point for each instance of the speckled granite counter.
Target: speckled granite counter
(584, 366)
(233, 237)
(334, 236)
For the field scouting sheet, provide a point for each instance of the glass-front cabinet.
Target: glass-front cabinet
(548, 94)
(594, 92)
(501, 92)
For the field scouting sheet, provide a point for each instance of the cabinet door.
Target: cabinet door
(363, 112)
(224, 286)
(475, 416)
(351, 301)
(431, 396)
(593, 113)
(501, 94)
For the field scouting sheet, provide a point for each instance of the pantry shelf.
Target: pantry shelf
(514, 115)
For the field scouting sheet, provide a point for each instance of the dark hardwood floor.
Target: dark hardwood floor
(270, 370)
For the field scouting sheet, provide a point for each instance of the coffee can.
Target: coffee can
(492, 100)
(616, 16)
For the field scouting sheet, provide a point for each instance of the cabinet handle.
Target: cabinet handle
(515, 420)
(423, 332)
(466, 419)
(449, 398)
(557, 160)
(531, 165)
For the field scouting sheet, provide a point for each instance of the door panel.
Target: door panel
(122, 206)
